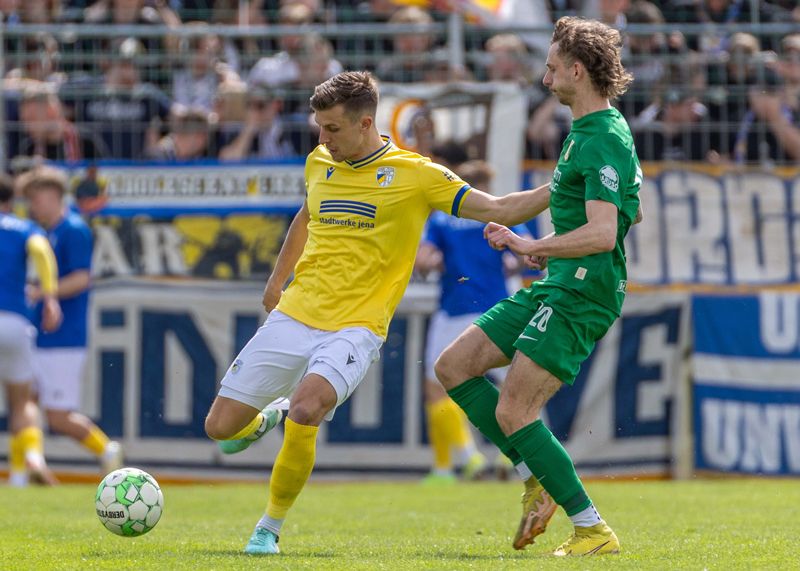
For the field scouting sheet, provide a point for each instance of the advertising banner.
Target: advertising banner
(746, 384)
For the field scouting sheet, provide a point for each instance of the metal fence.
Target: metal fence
(82, 92)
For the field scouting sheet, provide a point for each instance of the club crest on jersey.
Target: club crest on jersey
(609, 178)
(385, 176)
(329, 172)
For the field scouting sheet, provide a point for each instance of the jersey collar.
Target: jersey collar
(374, 156)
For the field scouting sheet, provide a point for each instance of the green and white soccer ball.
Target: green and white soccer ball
(129, 502)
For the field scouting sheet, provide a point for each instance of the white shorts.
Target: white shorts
(17, 337)
(283, 351)
(443, 329)
(59, 372)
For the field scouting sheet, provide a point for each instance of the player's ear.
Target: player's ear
(366, 122)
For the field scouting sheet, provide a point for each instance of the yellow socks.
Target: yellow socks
(16, 454)
(31, 441)
(292, 467)
(95, 441)
(438, 435)
(254, 425)
(447, 429)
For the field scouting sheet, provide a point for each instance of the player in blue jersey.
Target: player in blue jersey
(473, 279)
(19, 241)
(61, 354)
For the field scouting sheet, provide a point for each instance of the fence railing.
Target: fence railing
(705, 92)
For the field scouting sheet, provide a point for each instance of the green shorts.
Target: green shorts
(556, 328)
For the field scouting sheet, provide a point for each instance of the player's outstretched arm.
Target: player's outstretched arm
(290, 252)
(509, 210)
(44, 261)
(598, 235)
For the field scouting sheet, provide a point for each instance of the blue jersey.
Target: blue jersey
(71, 239)
(14, 235)
(474, 278)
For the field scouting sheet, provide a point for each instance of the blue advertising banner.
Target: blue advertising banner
(746, 383)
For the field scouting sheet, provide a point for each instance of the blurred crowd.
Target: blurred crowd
(193, 93)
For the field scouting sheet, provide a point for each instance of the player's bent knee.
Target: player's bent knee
(214, 428)
(506, 419)
(449, 370)
(309, 412)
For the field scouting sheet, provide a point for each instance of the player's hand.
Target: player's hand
(33, 293)
(272, 296)
(51, 314)
(500, 237)
(535, 262)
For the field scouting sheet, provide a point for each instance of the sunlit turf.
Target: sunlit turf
(712, 524)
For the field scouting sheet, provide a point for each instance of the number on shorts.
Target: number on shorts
(541, 317)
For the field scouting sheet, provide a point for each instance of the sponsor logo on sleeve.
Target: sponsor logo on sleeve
(609, 178)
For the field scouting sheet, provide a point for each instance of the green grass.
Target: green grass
(737, 524)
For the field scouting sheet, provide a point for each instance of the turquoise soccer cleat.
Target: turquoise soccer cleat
(271, 419)
(262, 542)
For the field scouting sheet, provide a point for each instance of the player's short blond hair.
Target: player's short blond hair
(598, 47)
(42, 177)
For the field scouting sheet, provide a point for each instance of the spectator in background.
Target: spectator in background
(262, 134)
(38, 61)
(204, 69)
(548, 121)
(236, 13)
(40, 11)
(9, 9)
(125, 111)
(780, 109)
(673, 129)
(644, 58)
(412, 60)
(742, 67)
(297, 52)
(47, 134)
(136, 12)
(230, 112)
(189, 136)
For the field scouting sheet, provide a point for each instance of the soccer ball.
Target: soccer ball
(129, 502)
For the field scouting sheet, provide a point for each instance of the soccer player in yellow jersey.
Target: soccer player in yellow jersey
(351, 248)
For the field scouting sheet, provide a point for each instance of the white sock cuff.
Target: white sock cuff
(272, 524)
(523, 471)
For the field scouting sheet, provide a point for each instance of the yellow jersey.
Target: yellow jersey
(366, 220)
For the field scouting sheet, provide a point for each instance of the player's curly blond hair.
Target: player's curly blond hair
(598, 47)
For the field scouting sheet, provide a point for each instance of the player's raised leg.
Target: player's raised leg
(236, 425)
(59, 379)
(528, 387)
(460, 369)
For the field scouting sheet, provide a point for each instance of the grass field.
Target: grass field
(740, 524)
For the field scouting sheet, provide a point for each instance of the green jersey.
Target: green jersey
(598, 162)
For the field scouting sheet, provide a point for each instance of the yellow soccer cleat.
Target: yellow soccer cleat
(537, 509)
(598, 539)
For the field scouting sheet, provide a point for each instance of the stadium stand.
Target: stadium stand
(118, 66)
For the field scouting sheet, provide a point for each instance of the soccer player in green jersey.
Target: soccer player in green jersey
(549, 329)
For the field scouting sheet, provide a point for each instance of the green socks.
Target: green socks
(551, 465)
(478, 398)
